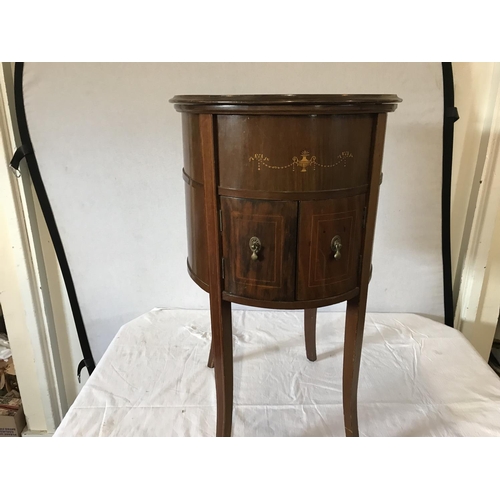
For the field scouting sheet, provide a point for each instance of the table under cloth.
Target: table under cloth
(417, 378)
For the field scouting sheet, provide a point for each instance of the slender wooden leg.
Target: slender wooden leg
(223, 357)
(354, 326)
(210, 362)
(310, 333)
(356, 307)
(220, 310)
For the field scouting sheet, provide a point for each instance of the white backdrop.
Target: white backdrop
(109, 148)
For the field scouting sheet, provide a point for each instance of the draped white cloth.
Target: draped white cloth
(418, 378)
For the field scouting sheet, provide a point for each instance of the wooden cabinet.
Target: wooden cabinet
(281, 199)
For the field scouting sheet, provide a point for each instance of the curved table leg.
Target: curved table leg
(310, 333)
(356, 307)
(223, 360)
(354, 326)
(220, 310)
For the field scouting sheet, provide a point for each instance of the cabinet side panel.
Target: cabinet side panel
(191, 143)
(197, 233)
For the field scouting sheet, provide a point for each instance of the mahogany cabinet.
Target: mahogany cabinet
(281, 199)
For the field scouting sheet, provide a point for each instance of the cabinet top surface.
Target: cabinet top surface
(286, 99)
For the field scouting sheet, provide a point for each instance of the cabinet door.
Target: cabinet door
(264, 270)
(329, 246)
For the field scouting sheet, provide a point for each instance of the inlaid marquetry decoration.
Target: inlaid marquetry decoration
(305, 162)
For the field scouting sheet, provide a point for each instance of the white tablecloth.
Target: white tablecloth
(417, 378)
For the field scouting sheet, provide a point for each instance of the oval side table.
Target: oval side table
(281, 200)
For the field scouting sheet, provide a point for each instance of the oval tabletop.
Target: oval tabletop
(286, 103)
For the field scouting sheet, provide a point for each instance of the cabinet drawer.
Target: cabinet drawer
(325, 269)
(270, 274)
(294, 153)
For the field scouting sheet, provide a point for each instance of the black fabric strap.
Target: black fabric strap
(26, 151)
(84, 363)
(21, 152)
(451, 113)
(450, 117)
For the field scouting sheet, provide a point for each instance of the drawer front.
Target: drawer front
(330, 233)
(294, 153)
(270, 274)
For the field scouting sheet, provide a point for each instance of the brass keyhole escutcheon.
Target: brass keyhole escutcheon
(255, 246)
(336, 246)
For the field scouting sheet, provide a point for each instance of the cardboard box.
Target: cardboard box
(12, 419)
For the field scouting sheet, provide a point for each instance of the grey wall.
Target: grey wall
(109, 146)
